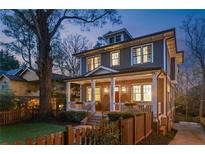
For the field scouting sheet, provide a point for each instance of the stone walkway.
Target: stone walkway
(189, 133)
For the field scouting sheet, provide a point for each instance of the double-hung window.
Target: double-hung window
(137, 93)
(97, 94)
(142, 54)
(142, 93)
(136, 55)
(93, 62)
(115, 58)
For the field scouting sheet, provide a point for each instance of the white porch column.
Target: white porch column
(92, 95)
(67, 95)
(112, 94)
(154, 95)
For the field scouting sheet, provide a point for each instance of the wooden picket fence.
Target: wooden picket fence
(126, 131)
(13, 116)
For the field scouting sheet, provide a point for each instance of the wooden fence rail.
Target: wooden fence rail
(129, 131)
(10, 117)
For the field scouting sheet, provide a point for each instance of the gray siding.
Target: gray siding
(125, 58)
(83, 71)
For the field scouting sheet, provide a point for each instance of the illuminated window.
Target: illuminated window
(136, 55)
(93, 62)
(97, 94)
(115, 57)
(88, 94)
(147, 93)
(142, 54)
(142, 93)
(137, 93)
(147, 54)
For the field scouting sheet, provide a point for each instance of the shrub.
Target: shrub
(114, 116)
(72, 116)
(7, 102)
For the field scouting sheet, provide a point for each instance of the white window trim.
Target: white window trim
(111, 58)
(141, 86)
(99, 55)
(141, 46)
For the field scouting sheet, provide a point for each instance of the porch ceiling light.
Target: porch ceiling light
(106, 90)
(124, 89)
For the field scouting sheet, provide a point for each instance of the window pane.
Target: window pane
(97, 94)
(111, 40)
(147, 53)
(118, 38)
(137, 93)
(147, 92)
(115, 58)
(88, 97)
(136, 55)
(96, 62)
(93, 62)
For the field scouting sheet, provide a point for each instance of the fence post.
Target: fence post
(17, 142)
(120, 130)
(134, 131)
(29, 141)
(145, 127)
(70, 135)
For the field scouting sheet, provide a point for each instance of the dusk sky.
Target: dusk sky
(138, 23)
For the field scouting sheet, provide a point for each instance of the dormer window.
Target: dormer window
(142, 54)
(118, 38)
(112, 40)
(93, 62)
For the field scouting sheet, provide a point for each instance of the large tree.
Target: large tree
(7, 61)
(23, 39)
(194, 28)
(63, 53)
(45, 24)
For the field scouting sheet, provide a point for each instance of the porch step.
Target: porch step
(95, 119)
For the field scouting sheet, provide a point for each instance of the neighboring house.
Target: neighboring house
(139, 70)
(25, 82)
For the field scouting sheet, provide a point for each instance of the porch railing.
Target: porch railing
(140, 107)
(82, 106)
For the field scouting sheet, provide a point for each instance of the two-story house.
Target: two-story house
(138, 73)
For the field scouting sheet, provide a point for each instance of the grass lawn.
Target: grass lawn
(23, 130)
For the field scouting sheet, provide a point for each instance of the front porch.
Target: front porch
(136, 92)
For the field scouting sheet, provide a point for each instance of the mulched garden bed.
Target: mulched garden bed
(158, 139)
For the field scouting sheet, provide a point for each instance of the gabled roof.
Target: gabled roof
(120, 72)
(12, 77)
(106, 70)
(17, 74)
(11, 72)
